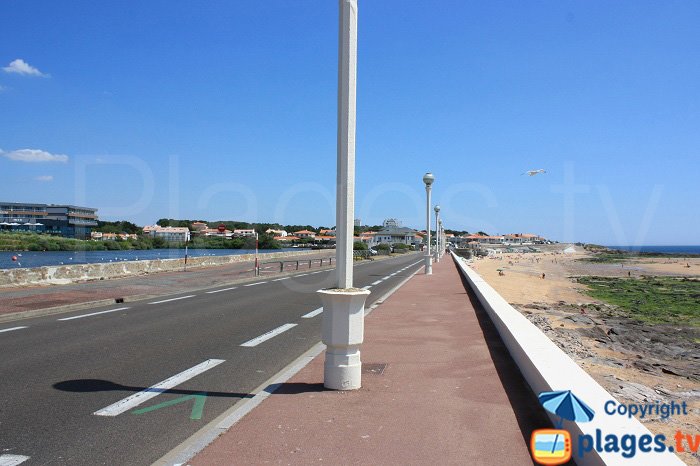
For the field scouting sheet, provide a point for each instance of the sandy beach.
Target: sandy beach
(636, 362)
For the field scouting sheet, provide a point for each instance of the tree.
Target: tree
(359, 246)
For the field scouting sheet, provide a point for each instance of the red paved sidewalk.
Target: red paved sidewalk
(440, 400)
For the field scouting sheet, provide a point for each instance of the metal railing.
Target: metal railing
(300, 264)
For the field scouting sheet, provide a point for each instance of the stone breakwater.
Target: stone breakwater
(65, 274)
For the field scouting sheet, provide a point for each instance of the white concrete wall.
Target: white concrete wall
(546, 367)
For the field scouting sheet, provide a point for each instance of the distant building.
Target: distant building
(276, 233)
(358, 222)
(391, 223)
(391, 235)
(198, 227)
(169, 234)
(64, 220)
(216, 232)
(305, 234)
(243, 233)
(71, 221)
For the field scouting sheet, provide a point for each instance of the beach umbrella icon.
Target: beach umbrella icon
(566, 405)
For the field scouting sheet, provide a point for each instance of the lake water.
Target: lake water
(42, 258)
(660, 249)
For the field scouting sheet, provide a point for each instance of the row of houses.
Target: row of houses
(514, 239)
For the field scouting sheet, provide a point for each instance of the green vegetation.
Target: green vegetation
(608, 257)
(654, 300)
(604, 255)
(382, 247)
(43, 242)
(118, 227)
(359, 246)
(401, 246)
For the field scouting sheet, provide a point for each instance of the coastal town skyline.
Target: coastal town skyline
(153, 111)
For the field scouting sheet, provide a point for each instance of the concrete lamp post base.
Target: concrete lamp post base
(428, 264)
(342, 331)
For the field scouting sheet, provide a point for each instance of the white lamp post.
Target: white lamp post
(437, 233)
(428, 179)
(342, 328)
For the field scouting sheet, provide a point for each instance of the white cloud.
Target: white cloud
(33, 155)
(44, 178)
(20, 66)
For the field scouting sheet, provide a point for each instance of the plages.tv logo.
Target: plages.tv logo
(553, 446)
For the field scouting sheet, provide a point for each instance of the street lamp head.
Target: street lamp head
(437, 208)
(428, 179)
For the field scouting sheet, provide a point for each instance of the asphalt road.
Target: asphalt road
(56, 372)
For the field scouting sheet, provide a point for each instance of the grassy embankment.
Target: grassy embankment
(42, 242)
(655, 300)
(601, 254)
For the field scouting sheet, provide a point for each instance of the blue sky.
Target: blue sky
(227, 110)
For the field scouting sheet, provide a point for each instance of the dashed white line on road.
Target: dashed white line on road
(266, 336)
(280, 279)
(367, 287)
(173, 299)
(12, 328)
(155, 390)
(12, 460)
(313, 313)
(223, 289)
(256, 283)
(301, 275)
(377, 282)
(95, 313)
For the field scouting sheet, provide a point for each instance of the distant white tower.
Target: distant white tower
(391, 223)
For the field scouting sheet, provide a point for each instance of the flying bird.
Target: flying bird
(534, 172)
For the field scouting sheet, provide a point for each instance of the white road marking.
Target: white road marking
(95, 313)
(155, 390)
(12, 460)
(12, 328)
(301, 275)
(173, 299)
(386, 278)
(223, 289)
(256, 283)
(313, 313)
(280, 279)
(266, 336)
(367, 287)
(377, 282)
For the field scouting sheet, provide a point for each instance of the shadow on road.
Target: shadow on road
(98, 385)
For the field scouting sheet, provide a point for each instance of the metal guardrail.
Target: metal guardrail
(294, 264)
